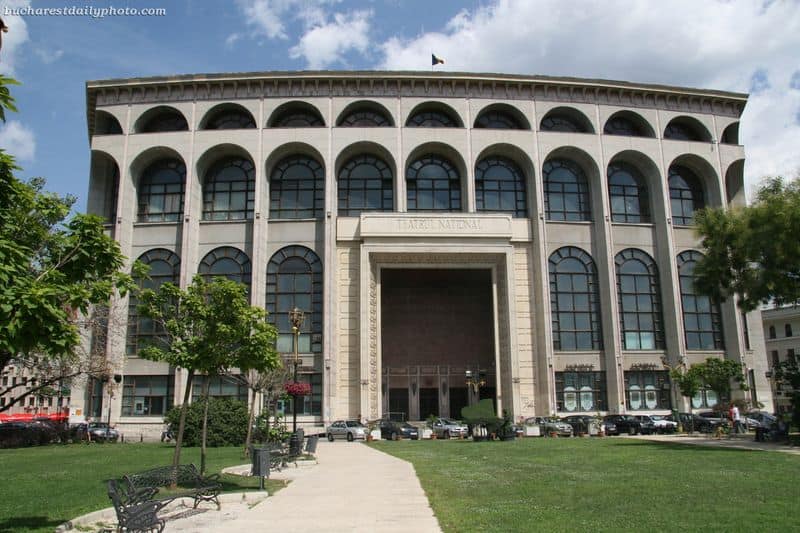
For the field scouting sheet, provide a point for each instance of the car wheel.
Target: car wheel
(330, 437)
(349, 437)
(395, 436)
(446, 435)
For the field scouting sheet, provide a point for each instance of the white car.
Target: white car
(663, 425)
(444, 428)
(346, 429)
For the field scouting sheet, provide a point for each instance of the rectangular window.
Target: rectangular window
(581, 391)
(146, 395)
(745, 332)
(220, 387)
(645, 390)
(775, 358)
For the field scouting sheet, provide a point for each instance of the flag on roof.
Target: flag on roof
(436, 60)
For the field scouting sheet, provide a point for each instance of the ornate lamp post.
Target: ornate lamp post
(296, 317)
(475, 381)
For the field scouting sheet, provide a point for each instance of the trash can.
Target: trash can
(296, 443)
(260, 464)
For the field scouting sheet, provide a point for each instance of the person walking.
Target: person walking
(737, 420)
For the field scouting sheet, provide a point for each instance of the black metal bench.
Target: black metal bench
(189, 481)
(136, 511)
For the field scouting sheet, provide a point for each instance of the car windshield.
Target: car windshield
(354, 424)
(98, 425)
(658, 417)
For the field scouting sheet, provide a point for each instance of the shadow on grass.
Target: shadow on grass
(26, 523)
(682, 445)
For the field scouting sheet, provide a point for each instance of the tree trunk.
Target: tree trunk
(250, 424)
(176, 457)
(206, 384)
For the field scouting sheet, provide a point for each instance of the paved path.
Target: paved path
(746, 442)
(353, 488)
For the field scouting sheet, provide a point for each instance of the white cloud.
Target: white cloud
(17, 140)
(715, 45)
(325, 44)
(14, 39)
(268, 17)
(49, 56)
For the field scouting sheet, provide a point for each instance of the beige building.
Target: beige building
(534, 231)
(782, 339)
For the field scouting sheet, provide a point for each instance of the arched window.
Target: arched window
(620, 124)
(165, 266)
(731, 134)
(229, 190)
(294, 279)
(106, 124)
(231, 118)
(686, 129)
(297, 188)
(685, 195)
(772, 333)
(431, 118)
(498, 120)
(566, 191)
(787, 329)
(226, 262)
(365, 118)
(165, 120)
(639, 301)
(365, 184)
(433, 184)
(161, 191)
(566, 120)
(574, 301)
(628, 194)
(500, 187)
(702, 327)
(297, 116)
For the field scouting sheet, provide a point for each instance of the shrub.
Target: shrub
(227, 422)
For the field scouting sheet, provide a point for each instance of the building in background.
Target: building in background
(782, 339)
(535, 232)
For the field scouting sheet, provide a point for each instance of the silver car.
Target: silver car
(346, 429)
(444, 428)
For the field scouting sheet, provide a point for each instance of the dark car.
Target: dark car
(624, 424)
(96, 432)
(580, 423)
(15, 434)
(647, 423)
(692, 422)
(392, 430)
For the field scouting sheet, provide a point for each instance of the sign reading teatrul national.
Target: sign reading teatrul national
(435, 225)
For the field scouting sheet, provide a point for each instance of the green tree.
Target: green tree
(208, 328)
(268, 383)
(53, 269)
(753, 252)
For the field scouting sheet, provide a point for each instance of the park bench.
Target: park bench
(136, 511)
(190, 483)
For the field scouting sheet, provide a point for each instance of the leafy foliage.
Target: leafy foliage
(716, 374)
(753, 252)
(227, 422)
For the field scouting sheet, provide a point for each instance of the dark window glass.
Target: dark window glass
(297, 188)
(628, 194)
(226, 262)
(566, 191)
(776, 359)
(500, 187)
(365, 118)
(106, 124)
(563, 122)
(229, 387)
(431, 119)
(731, 134)
(639, 301)
(647, 390)
(574, 301)
(365, 184)
(433, 184)
(298, 118)
(620, 125)
(110, 196)
(161, 191)
(772, 333)
(685, 195)
(231, 119)
(498, 120)
(683, 130)
(745, 332)
(294, 279)
(165, 267)
(147, 395)
(581, 392)
(165, 121)
(702, 326)
(229, 190)
(787, 329)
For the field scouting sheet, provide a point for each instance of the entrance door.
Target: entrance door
(458, 398)
(398, 401)
(428, 403)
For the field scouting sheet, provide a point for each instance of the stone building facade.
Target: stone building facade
(535, 231)
(782, 339)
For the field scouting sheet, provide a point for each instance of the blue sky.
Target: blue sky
(736, 45)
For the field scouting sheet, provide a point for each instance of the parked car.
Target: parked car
(763, 418)
(346, 429)
(722, 418)
(16, 434)
(693, 422)
(98, 432)
(551, 425)
(392, 430)
(624, 424)
(580, 423)
(647, 423)
(445, 428)
(663, 424)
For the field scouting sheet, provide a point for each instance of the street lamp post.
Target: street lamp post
(296, 317)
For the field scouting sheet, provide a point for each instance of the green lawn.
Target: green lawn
(45, 486)
(603, 484)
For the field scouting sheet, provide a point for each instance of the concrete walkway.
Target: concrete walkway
(353, 488)
(745, 442)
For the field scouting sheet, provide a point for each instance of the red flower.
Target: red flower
(296, 388)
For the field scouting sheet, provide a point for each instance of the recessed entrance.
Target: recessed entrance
(435, 324)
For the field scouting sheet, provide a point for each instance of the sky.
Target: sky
(733, 45)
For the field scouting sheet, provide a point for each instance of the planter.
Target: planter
(375, 434)
(426, 434)
(533, 431)
(554, 434)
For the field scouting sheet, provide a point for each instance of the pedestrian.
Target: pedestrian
(737, 420)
